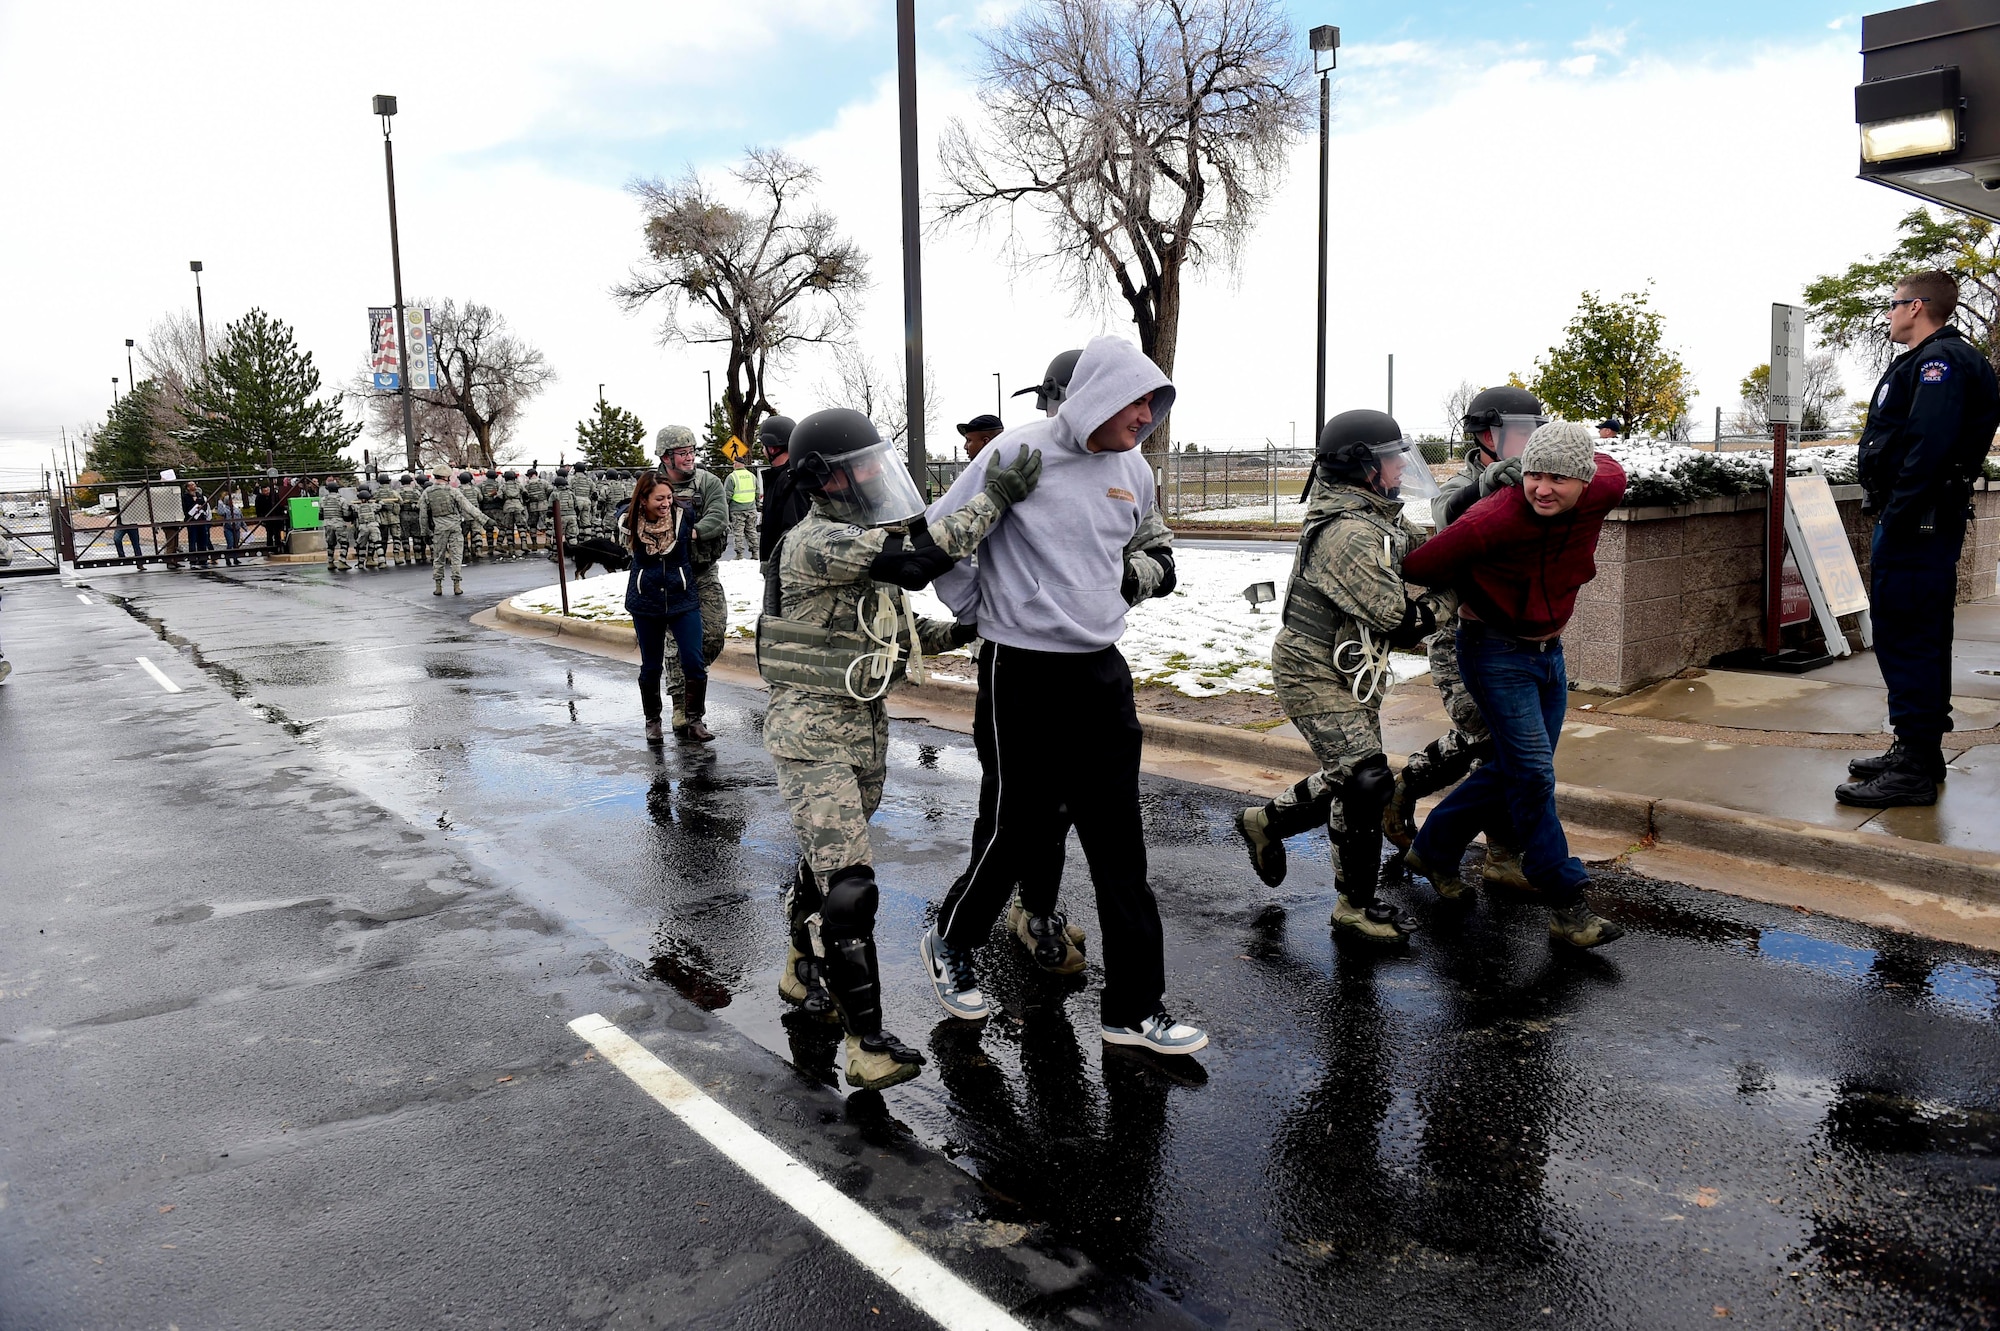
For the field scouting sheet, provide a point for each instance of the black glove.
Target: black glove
(910, 561)
(1418, 623)
(1163, 555)
(963, 633)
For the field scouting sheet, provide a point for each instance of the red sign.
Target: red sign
(1794, 602)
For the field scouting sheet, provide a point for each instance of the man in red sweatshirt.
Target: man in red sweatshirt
(1516, 559)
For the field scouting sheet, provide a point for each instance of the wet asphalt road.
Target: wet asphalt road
(1738, 1112)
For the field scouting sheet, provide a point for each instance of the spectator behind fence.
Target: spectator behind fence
(1516, 559)
(201, 537)
(979, 432)
(230, 509)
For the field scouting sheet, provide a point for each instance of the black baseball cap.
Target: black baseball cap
(985, 421)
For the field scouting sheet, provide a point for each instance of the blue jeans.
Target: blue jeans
(1522, 691)
(119, 537)
(1912, 598)
(652, 631)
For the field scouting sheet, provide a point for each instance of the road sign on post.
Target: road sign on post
(1787, 386)
(735, 450)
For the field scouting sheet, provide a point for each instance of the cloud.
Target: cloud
(1582, 66)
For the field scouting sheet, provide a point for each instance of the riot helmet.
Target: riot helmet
(465, 478)
(842, 457)
(365, 492)
(512, 475)
(1367, 449)
(774, 434)
(1054, 387)
(561, 482)
(404, 480)
(1512, 414)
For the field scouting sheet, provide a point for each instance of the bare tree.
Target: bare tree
(764, 278)
(486, 375)
(1820, 397)
(860, 384)
(1145, 133)
(1456, 403)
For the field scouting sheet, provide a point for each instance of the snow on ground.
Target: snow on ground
(1201, 641)
(1289, 510)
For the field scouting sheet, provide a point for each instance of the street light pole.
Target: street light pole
(1325, 41)
(385, 107)
(200, 317)
(708, 377)
(913, 282)
(997, 409)
(114, 392)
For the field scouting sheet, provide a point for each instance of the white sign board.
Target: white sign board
(1788, 357)
(1825, 560)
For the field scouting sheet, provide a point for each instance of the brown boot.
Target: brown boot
(697, 704)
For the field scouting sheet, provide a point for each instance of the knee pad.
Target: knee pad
(848, 910)
(1369, 788)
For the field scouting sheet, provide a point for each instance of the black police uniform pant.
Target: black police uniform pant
(1058, 741)
(1913, 595)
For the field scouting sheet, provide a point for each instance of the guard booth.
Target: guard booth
(28, 534)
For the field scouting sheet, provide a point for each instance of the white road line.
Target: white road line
(85, 599)
(935, 1291)
(159, 678)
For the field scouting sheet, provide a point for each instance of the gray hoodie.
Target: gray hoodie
(1047, 578)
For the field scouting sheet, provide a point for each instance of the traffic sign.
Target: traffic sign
(1788, 355)
(735, 450)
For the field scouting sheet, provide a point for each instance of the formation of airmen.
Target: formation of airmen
(450, 520)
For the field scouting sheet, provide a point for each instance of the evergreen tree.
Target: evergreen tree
(258, 401)
(127, 443)
(612, 437)
(710, 455)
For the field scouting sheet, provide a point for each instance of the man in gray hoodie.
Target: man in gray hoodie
(1055, 724)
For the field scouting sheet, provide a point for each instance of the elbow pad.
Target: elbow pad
(910, 563)
(1418, 623)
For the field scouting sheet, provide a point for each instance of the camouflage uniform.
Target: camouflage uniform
(711, 539)
(831, 752)
(535, 494)
(334, 524)
(362, 519)
(1341, 556)
(413, 521)
(445, 512)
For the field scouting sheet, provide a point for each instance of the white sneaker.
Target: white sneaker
(1159, 1033)
(951, 976)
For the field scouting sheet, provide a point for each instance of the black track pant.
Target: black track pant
(1058, 740)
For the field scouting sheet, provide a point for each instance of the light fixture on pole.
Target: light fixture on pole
(1325, 43)
(913, 281)
(130, 378)
(385, 107)
(114, 392)
(997, 399)
(200, 317)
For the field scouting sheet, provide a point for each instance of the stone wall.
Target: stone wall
(1680, 585)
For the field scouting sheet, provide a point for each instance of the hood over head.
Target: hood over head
(1110, 375)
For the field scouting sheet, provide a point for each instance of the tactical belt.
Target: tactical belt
(1310, 613)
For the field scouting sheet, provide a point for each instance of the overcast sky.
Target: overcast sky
(1490, 162)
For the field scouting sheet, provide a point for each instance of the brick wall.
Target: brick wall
(1678, 586)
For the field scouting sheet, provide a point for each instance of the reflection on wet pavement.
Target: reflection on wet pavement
(1790, 1118)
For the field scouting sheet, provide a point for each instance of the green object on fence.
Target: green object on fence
(304, 513)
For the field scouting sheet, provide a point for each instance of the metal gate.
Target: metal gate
(28, 535)
(140, 521)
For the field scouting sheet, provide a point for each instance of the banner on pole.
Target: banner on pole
(383, 365)
(384, 360)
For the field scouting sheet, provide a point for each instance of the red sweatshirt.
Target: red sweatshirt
(1519, 572)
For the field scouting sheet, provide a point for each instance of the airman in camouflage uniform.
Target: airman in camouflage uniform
(333, 523)
(412, 517)
(389, 519)
(513, 513)
(363, 520)
(445, 513)
(1498, 422)
(1345, 607)
(844, 635)
(535, 494)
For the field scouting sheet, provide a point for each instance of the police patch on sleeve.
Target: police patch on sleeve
(1934, 371)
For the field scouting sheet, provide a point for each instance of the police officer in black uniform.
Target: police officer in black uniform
(785, 500)
(1930, 425)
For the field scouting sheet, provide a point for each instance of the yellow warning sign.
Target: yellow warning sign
(735, 450)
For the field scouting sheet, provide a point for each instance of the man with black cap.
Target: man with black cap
(1610, 428)
(980, 431)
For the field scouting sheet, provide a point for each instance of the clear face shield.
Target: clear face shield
(870, 487)
(1509, 435)
(1404, 475)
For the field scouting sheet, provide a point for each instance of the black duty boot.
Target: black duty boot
(1908, 783)
(1863, 768)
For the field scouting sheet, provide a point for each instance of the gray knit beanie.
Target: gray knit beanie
(1562, 448)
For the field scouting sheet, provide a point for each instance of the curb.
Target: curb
(1971, 875)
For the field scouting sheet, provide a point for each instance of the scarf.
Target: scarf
(655, 537)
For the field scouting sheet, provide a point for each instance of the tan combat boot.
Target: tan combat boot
(1503, 868)
(1445, 882)
(1057, 950)
(876, 1061)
